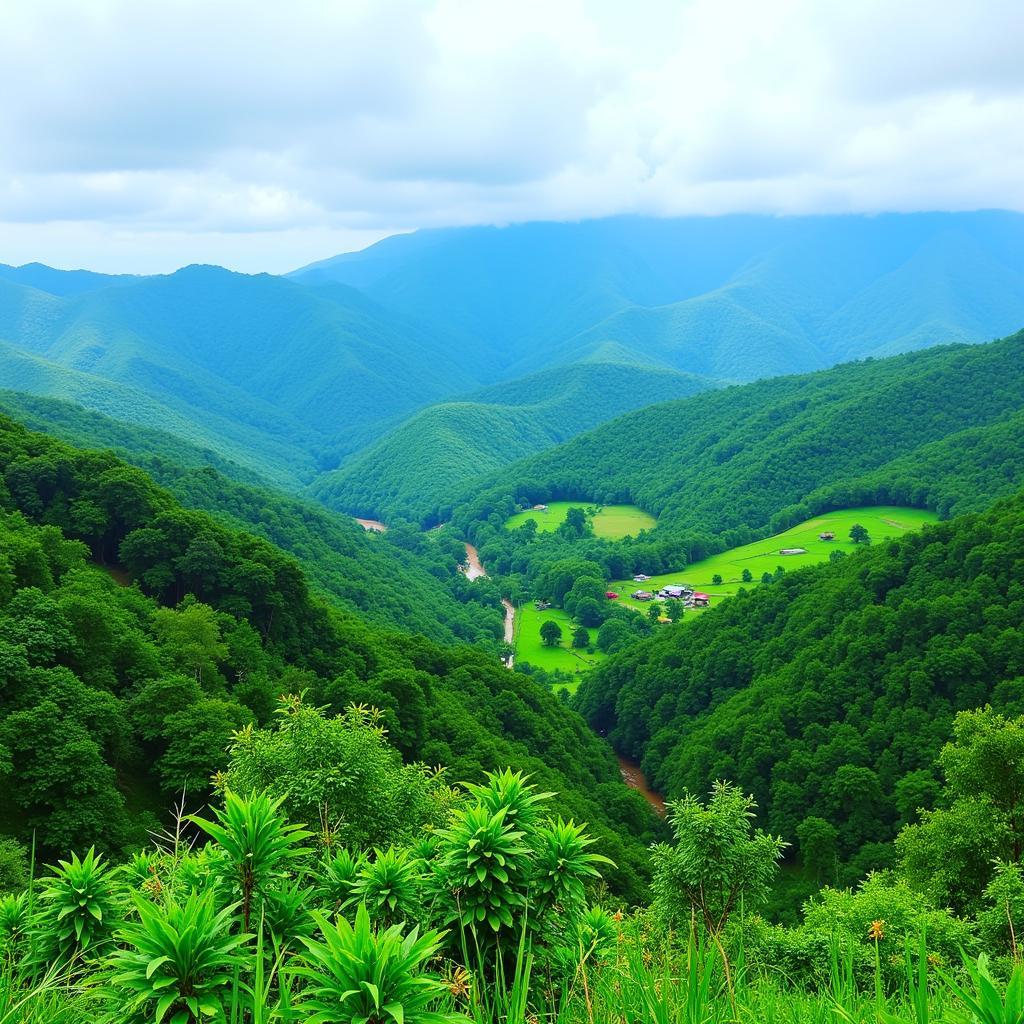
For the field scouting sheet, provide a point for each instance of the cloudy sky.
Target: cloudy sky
(142, 135)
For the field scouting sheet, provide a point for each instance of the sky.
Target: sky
(140, 136)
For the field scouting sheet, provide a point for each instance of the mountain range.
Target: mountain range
(385, 382)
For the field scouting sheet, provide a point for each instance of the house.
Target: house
(642, 595)
(640, 578)
(611, 595)
(699, 600)
(674, 590)
(542, 606)
(827, 535)
(539, 508)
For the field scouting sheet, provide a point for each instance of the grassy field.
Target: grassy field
(760, 557)
(763, 556)
(562, 658)
(611, 521)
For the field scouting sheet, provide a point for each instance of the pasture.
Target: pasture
(882, 522)
(610, 521)
(562, 658)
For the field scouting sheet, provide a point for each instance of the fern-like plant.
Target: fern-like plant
(563, 864)
(176, 963)
(512, 792)
(80, 905)
(389, 886)
(336, 875)
(256, 840)
(484, 870)
(359, 975)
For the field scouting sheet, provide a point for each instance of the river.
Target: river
(634, 777)
(474, 570)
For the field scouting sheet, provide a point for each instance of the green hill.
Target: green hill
(400, 582)
(775, 452)
(828, 693)
(423, 467)
(276, 376)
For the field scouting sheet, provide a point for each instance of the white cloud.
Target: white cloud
(258, 134)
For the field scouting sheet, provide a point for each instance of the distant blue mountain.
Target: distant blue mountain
(738, 297)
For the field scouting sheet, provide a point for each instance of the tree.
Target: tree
(716, 580)
(818, 850)
(951, 853)
(674, 609)
(859, 534)
(747, 576)
(766, 577)
(654, 611)
(590, 612)
(550, 633)
(581, 638)
(612, 635)
(575, 524)
(719, 859)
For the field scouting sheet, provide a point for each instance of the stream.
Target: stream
(474, 569)
(632, 774)
(635, 779)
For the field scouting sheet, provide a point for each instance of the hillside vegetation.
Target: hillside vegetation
(828, 692)
(117, 697)
(419, 470)
(406, 581)
(938, 429)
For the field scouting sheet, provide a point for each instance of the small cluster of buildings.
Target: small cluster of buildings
(673, 591)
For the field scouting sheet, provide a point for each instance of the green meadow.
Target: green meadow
(881, 522)
(610, 521)
(562, 658)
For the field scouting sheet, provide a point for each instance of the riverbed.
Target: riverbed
(634, 777)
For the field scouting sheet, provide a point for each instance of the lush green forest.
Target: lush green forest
(124, 695)
(420, 470)
(725, 467)
(828, 692)
(407, 581)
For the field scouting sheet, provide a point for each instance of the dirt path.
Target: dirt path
(371, 524)
(635, 779)
(473, 570)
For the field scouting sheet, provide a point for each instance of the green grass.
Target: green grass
(610, 521)
(882, 522)
(885, 521)
(562, 658)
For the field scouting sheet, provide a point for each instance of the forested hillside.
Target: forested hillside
(828, 693)
(421, 469)
(730, 297)
(118, 696)
(275, 376)
(936, 428)
(406, 580)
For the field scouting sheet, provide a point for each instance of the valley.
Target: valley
(211, 568)
(818, 540)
